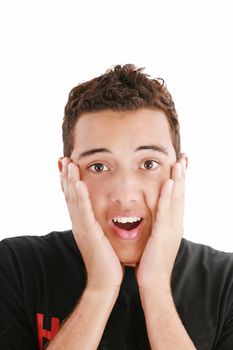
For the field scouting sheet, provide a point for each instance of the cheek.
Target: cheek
(97, 196)
(151, 197)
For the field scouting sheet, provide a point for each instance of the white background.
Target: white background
(47, 47)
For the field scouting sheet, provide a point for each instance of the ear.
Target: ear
(59, 163)
(185, 157)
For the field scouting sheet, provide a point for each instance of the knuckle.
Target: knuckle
(70, 197)
(72, 200)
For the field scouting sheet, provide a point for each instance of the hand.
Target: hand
(156, 264)
(104, 270)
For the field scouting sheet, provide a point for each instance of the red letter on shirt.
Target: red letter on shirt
(43, 333)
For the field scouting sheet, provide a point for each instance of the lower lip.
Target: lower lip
(127, 234)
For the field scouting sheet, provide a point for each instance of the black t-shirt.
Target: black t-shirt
(42, 279)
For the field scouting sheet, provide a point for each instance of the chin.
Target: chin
(129, 254)
(129, 259)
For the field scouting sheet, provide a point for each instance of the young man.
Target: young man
(123, 277)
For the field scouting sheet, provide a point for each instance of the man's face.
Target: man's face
(131, 157)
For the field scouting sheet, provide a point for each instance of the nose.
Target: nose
(126, 190)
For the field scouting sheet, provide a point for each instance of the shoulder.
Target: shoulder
(54, 241)
(36, 274)
(33, 252)
(199, 254)
(201, 265)
(202, 283)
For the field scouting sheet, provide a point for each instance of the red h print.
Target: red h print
(44, 333)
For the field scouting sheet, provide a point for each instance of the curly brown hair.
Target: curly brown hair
(121, 88)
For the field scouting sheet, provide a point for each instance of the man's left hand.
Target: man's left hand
(156, 264)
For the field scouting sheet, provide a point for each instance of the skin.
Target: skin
(124, 183)
(146, 183)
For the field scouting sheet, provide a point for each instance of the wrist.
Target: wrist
(158, 285)
(157, 295)
(105, 293)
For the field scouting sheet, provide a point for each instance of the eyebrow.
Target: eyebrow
(156, 148)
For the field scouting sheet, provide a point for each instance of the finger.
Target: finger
(183, 163)
(65, 185)
(84, 204)
(177, 170)
(177, 203)
(179, 181)
(85, 217)
(61, 182)
(164, 203)
(79, 204)
(73, 177)
(178, 196)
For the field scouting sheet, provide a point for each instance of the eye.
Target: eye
(98, 168)
(149, 165)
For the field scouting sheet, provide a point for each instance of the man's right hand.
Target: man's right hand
(104, 270)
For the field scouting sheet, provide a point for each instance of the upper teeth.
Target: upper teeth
(123, 220)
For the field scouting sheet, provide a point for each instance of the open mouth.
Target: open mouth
(127, 228)
(127, 225)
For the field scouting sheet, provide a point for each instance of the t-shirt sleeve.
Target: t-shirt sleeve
(16, 333)
(225, 335)
(225, 341)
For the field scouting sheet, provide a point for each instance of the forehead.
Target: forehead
(124, 130)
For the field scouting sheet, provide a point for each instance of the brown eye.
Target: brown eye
(98, 168)
(150, 165)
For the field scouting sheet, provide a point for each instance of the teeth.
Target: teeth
(124, 220)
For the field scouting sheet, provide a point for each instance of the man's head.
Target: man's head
(122, 130)
(120, 89)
